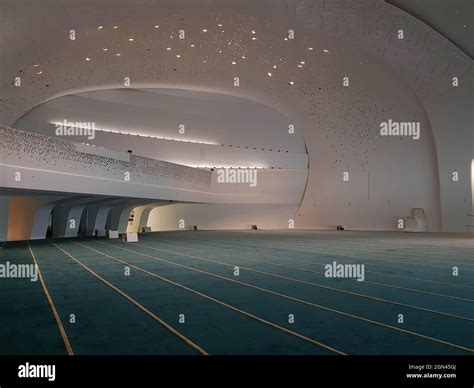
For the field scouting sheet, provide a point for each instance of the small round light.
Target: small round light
(88, 59)
(131, 39)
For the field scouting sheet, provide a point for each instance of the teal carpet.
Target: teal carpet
(190, 276)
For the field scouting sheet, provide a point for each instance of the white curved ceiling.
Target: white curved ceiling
(38, 33)
(211, 118)
(389, 77)
(451, 18)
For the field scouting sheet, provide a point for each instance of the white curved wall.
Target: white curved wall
(389, 78)
(219, 130)
(216, 216)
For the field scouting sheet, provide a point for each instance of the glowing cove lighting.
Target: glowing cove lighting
(130, 133)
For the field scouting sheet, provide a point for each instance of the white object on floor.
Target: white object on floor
(113, 234)
(130, 237)
(415, 223)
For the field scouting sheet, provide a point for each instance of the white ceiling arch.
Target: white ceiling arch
(301, 77)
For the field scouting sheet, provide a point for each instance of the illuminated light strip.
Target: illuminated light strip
(141, 135)
(56, 123)
(228, 167)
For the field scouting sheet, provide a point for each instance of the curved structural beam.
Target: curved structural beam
(118, 218)
(41, 221)
(141, 215)
(73, 221)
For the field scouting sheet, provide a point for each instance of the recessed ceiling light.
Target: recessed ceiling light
(36, 65)
(285, 38)
(244, 57)
(310, 48)
(40, 72)
(88, 59)
(157, 26)
(326, 51)
(204, 61)
(118, 55)
(220, 51)
(220, 24)
(269, 74)
(191, 45)
(300, 66)
(302, 62)
(204, 30)
(234, 63)
(104, 49)
(178, 56)
(292, 82)
(115, 27)
(100, 27)
(254, 38)
(131, 39)
(274, 66)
